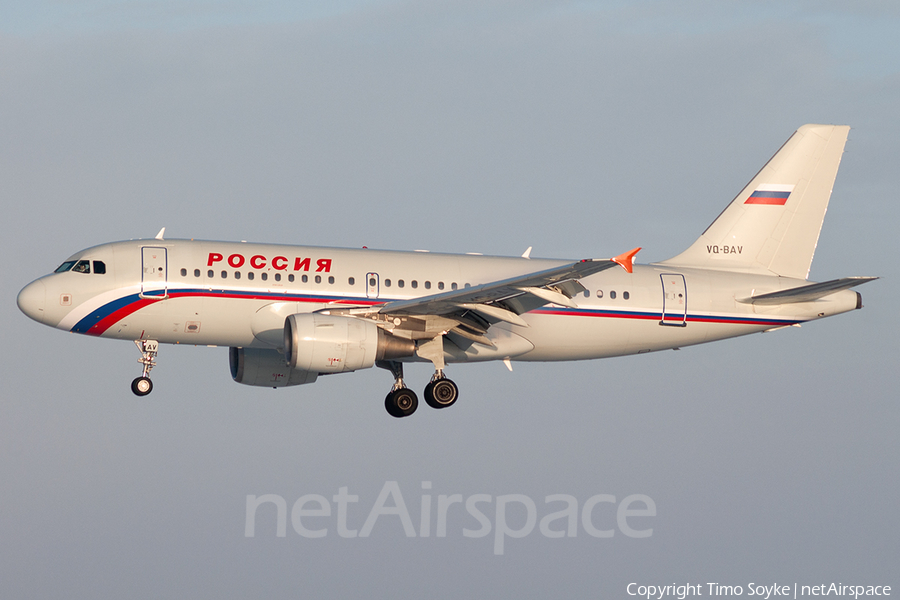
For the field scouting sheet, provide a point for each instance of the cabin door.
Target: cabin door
(154, 272)
(674, 310)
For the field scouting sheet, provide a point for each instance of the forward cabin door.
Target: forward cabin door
(154, 272)
(674, 310)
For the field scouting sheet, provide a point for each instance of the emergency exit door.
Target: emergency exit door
(372, 285)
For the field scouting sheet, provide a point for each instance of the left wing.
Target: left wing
(469, 312)
(516, 294)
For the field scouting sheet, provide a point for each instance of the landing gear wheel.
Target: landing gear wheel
(441, 393)
(141, 386)
(401, 403)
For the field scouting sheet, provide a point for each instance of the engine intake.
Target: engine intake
(335, 344)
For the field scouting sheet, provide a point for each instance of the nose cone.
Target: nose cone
(32, 299)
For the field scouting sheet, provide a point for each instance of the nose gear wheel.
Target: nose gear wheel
(142, 385)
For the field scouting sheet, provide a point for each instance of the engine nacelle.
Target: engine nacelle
(335, 344)
(264, 367)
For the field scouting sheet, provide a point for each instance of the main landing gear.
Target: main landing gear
(441, 392)
(142, 385)
(402, 401)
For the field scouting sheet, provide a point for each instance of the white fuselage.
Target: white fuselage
(239, 294)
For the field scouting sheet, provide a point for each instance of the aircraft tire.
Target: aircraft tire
(401, 403)
(141, 386)
(441, 393)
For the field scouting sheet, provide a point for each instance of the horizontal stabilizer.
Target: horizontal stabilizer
(807, 293)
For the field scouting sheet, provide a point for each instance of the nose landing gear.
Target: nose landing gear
(142, 385)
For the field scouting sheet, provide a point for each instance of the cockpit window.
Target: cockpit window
(99, 267)
(65, 266)
(82, 266)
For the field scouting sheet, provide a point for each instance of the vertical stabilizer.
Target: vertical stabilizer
(773, 225)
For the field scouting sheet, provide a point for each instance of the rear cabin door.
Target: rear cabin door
(674, 311)
(154, 271)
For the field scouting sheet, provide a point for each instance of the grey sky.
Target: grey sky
(581, 129)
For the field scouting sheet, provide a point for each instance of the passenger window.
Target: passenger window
(400, 283)
(414, 284)
(351, 281)
(210, 274)
(99, 267)
(599, 293)
(372, 281)
(612, 295)
(440, 285)
(427, 285)
(250, 275)
(237, 274)
(291, 278)
(587, 294)
(318, 279)
(387, 283)
(626, 295)
(196, 272)
(277, 276)
(264, 276)
(467, 285)
(224, 274)
(453, 286)
(330, 279)
(304, 278)
(82, 266)
(183, 271)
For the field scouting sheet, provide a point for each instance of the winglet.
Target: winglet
(159, 235)
(626, 260)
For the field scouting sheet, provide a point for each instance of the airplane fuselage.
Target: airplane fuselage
(238, 294)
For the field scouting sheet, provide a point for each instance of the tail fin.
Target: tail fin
(773, 225)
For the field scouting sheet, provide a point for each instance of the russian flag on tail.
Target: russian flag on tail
(770, 193)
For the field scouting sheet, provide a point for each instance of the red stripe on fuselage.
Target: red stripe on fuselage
(109, 320)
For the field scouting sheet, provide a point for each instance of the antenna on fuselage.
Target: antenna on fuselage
(159, 235)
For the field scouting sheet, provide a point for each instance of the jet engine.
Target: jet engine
(265, 367)
(335, 344)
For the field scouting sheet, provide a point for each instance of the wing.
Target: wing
(469, 312)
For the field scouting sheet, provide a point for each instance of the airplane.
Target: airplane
(292, 313)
